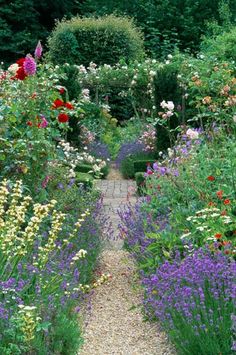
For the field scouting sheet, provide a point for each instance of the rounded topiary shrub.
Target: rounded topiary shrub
(104, 40)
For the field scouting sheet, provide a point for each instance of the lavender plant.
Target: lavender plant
(194, 299)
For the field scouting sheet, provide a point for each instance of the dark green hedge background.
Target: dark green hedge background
(166, 23)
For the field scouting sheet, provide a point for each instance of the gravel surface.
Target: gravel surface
(115, 325)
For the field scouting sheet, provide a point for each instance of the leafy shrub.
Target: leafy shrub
(104, 40)
(142, 164)
(85, 179)
(166, 24)
(70, 81)
(222, 47)
(140, 181)
(84, 168)
(127, 164)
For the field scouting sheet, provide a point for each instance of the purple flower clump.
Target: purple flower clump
(128, 149)
(198, 292)
(99, 150)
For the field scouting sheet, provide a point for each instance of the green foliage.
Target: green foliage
(22, 22)
(141, 165)
(140, 181)
(84, 168)
(222, 46)
(85, 179)
(70, 81)
(104, 40)
(127, 164)
(167, 24)
(65, 336)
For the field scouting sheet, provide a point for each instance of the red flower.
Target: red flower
(226, 201)
(61, 91)
(210, 204)
(224, 213)
(220, 194)
(211, 178)
(69, 105)
(58, 103)
(63, 117)
(29, 123)
(20, 62)
(20, 74)
(218, 235)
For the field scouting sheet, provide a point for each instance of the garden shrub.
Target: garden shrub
(140, 181)
(104, 40)
(84, 168)
(222, 46)
(127, 164)
(85, 179)
(142, 164)
(70, 81)
(167, 88)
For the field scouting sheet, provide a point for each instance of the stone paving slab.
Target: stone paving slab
(115, 194)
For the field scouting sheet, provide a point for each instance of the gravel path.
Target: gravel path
(115, 324)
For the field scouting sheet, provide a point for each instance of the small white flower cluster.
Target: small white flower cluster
(73, 158)
(85, 95)
(169, 109)
(81, 254)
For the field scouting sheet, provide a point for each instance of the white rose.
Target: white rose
(170, 105)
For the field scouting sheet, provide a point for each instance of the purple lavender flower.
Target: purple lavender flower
(29, 65)
(184, 292)
(99, 150)
(128, 149)
(38, 51)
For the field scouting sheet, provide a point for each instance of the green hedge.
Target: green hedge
(136, 163)
(85, 179)
(141, 165)
(140, 182)
(103, 40)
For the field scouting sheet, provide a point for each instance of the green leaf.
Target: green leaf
(43, 326)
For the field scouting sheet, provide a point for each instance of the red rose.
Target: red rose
(63, 117)
(61, 91)
(69, 105)
(226, 202)
(218, 235)
(58, 103)
(211, 178)
(29, 123)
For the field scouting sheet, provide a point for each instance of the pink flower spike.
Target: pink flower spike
(38, 51)
(29, 65)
